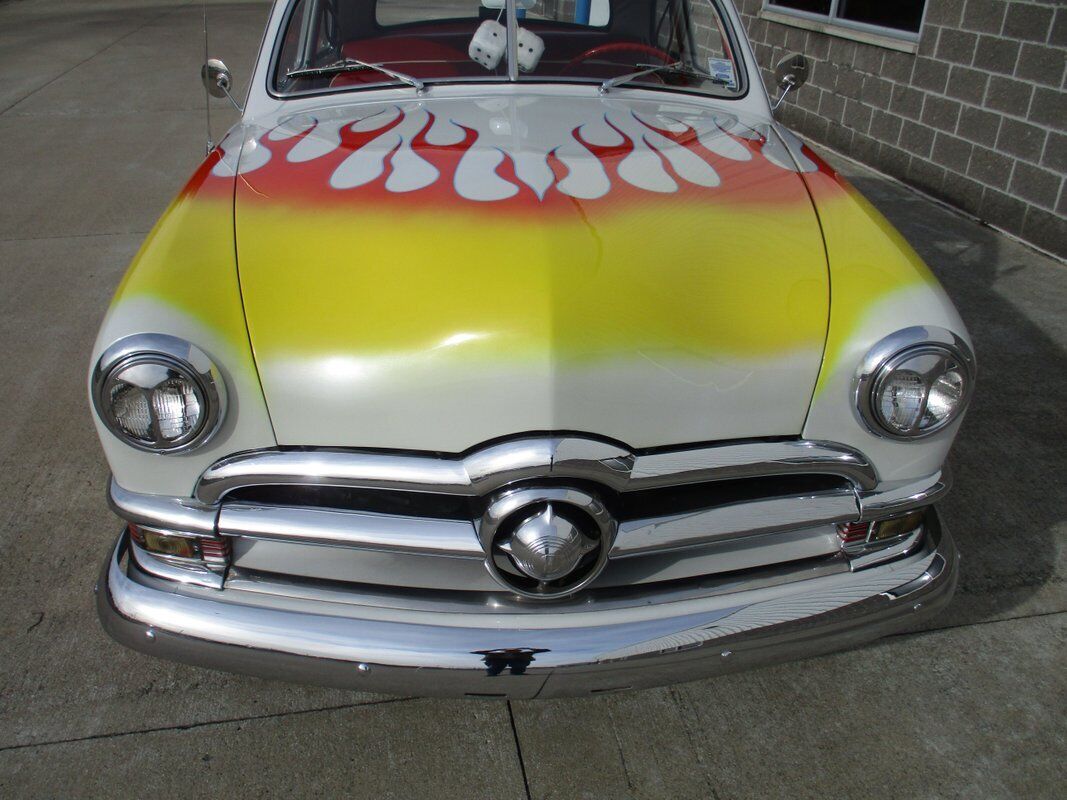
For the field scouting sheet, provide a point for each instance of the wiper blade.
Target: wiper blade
(355, 65)
(677, 67)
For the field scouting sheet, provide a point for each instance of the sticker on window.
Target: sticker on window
(722, 69)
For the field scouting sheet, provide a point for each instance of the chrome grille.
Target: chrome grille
(411, 521)
(626, 506)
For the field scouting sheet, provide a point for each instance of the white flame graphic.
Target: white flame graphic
(528, 131)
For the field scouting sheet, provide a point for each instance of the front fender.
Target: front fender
(184, 282)
(878, 285)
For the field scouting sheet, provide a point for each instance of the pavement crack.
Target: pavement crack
(621, 752)
(518, 750)
(693, 739)
(46, 237)
(205, 724)
(40, 618)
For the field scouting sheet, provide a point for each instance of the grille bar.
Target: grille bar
(442, 537)
(493, 467)
(736, 519)
(457, 538)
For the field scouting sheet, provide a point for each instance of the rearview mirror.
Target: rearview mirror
(790, 74)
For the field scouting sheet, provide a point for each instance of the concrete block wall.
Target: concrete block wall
(977, 116)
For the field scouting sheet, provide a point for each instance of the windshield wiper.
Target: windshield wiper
(677, 67)
(355, 65)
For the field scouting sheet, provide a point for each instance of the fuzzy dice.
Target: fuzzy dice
(489, 43)
(531, 46)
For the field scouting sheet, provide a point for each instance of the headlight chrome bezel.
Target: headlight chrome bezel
(894, 350)
(174, 354)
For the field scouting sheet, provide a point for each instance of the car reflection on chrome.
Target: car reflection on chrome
(513, 348)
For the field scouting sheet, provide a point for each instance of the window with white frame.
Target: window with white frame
(898, 18)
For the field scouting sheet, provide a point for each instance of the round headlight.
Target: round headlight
(910, 391)
(157, 393)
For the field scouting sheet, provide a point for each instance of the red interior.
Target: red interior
(439, 50)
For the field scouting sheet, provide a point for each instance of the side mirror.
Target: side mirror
(218, 80)
(790, 74)
(216, 77)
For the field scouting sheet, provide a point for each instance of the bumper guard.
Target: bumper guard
(525, 655)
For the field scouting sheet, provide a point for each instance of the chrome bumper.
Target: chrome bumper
(524, 655)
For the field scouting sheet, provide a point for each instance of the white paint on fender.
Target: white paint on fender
(833, 415)
(246, 425)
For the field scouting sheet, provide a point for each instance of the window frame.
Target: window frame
(731, 28)
(835, 23)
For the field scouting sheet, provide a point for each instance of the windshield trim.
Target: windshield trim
(729, 33)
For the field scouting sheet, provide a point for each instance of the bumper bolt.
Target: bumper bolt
(150, 634)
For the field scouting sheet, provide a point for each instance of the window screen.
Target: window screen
(904, 15)
(896, 15)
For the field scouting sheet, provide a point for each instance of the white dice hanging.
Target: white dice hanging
(488, 44)
(531, 47)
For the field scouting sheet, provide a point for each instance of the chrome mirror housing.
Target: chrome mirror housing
(790, 74)
(218, 80)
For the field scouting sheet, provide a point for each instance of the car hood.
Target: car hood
(433, 274)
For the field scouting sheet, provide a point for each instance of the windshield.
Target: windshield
(333, 45)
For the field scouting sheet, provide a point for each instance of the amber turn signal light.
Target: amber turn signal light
(895, 527)
(164, 544)
(883, 530)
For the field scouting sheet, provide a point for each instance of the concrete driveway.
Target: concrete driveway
(101, 121)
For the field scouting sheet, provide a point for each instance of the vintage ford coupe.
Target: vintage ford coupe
(512, 348)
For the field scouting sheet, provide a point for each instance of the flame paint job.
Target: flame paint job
(530, 263)
(878, 285)
(183, 282)
(581, 148)
(432, 275)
